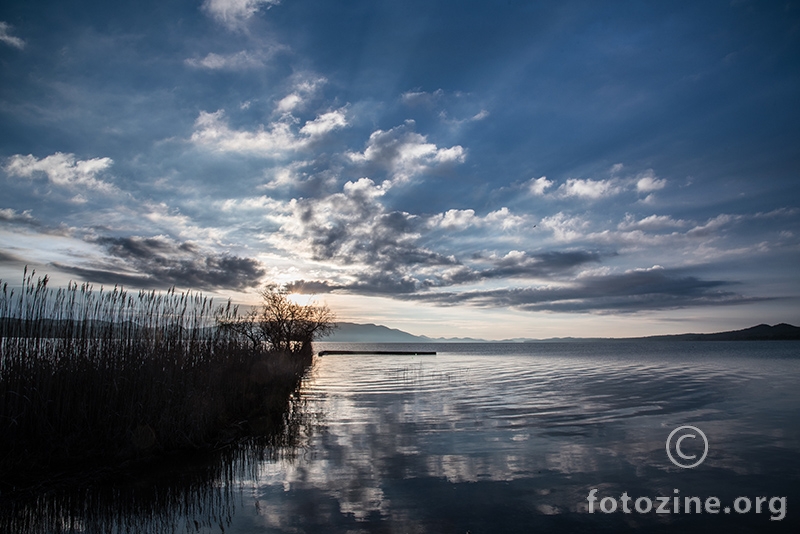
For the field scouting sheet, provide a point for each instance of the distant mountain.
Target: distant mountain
(375, 333)
(761, 332)
(372, 333)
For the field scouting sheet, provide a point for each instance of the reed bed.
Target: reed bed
(90, 377)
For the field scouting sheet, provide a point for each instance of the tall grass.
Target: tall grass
(90, 376)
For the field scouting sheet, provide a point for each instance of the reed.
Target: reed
(91, 376)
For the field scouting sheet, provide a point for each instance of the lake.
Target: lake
(497, 438)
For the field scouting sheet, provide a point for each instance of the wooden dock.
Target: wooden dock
(378, 352)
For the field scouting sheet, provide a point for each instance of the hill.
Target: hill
(762, 332)
(372, 333)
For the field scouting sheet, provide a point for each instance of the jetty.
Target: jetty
(378, 352)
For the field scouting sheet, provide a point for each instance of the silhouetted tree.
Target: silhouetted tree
(282, 324)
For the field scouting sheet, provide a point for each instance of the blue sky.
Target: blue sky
(486, 169)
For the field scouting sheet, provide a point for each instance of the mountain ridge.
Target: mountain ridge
(373, 333)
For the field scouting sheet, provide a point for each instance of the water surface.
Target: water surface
(512, 437)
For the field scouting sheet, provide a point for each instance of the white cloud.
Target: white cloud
(538, 186)
(505, 219)
(714, 225)
(653, 222)
(242, 60)
(305, 87)
(644, 182)
(7, 38)
(212, 130)
(364, 188)
(233, 13)
(457, 219)
(327, 122)
(564, 227)
(406, 153)
(289, 103)
(588, 188)
(63, 170)
(421, 98)
(647, 182)
(259, 204)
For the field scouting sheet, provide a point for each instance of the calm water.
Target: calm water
(511, 438)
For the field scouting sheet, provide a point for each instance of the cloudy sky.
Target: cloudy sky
(453, 168)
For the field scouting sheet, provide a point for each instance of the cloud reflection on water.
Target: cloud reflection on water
(536, 432)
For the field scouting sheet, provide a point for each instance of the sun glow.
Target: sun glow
(301, 299)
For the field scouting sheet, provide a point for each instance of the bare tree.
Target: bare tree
(245, 326)
(288, 326)
(282, 324)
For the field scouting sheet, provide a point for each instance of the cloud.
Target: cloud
(161, 262)
(377, 248)
(354, 228)
(520, 264)
(415, 99)
(24, 219)
(7, 257)
(651, 223)
(7, 38)
(457, 219)
(310, 287)
(327, 122)
(277, 140)
(305, 86)
(538, 186)
(566, 227)
(405, 153)
(592, 189)
(647, 182)
(644, 182)
(630, 292)
(233, 13)
(479, 116)
(713, 225)
(505, 219)
(242, 60)
(63, 170)
(9, 215)
(633, 291)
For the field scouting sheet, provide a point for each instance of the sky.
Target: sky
(485, 169)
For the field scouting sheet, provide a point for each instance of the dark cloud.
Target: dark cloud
(355, 229)
(11, 216)
(24, 219)
(310, 287)
(400, 278)
(524, 265)
(159, 262)
(111, 277)
(384, 284)
(6, 257)
(629, 292)
(380, 284)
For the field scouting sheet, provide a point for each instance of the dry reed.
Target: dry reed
(89, 377)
